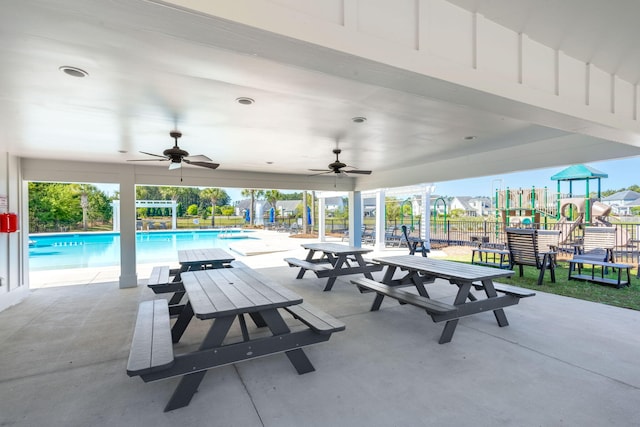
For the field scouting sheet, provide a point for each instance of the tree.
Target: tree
(192, 210)
(55, 205)
(253, 193)
(272, 197)
(227, 210)
(392, 208)
(213, 194)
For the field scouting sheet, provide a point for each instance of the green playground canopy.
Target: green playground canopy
(578, 172)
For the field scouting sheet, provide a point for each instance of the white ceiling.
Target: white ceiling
(153, 68)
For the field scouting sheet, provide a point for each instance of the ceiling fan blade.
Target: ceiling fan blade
(324, 172)
(148, 160)
(155, 155)
(320, 170)
(175, 165)
(198, 158)
(358, 171)
(209, 165)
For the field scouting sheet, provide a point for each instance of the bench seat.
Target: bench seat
(433, 307)
(313, 266)
(316, 319)
(509, 290)
(576, 263)
(499, 257)
(160, 280)
(151, 347)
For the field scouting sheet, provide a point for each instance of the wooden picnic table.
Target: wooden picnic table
(334, 260)
(223, 295)
(421, 270)
(198, 259)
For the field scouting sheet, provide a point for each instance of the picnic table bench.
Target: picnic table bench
(164, 279)
(197, 259)
(421, 271)
(224, 295)
(151, 347)
(499, 257)
(577, 264)
(335, 261)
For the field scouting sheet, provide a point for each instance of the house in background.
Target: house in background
(622, 202)
(472, 206)
(333, 205)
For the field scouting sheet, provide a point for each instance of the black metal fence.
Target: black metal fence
(491, 233)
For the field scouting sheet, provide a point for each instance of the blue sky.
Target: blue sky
(622, 173)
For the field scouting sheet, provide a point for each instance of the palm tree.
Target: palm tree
(253, 193)
(213, 194)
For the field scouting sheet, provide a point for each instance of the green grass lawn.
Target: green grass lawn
(626, 297)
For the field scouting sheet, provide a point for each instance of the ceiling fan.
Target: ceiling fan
(337, 167)
(176, 156)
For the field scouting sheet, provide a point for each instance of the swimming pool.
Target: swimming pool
(83, 250)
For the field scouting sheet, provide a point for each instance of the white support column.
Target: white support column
(116, 215)
(128, 276)
(321, 220)
(425, 232)
(355, 219)
(380, 220)
(174, 214)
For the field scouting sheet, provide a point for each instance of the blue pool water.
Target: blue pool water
(82, 250)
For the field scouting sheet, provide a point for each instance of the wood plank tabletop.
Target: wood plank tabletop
(336, 248)
(444, 269)
(213, 255)
(230, 291)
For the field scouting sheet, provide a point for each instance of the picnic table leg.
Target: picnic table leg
(176, 298)
(464, 289)
(361, 262)
(337, 264)
(189, 383)
(419, 284)
(490, 291)
(301, 273)
(447, 332)
(277, 325)
(182, 322)
(377, 302)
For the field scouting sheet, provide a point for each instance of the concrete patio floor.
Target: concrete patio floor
(560, 362)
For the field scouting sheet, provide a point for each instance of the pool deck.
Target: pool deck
(560, 362)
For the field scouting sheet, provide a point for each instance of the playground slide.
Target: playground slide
(560, 225)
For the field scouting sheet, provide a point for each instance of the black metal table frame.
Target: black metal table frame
(418, 278)
(212, 353)
(340, 263)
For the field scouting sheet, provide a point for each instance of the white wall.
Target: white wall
(13, 276)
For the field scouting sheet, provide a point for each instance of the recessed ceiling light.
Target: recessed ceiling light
(122, 151)
(269, 163)
(359, 119)
(470, 137)
(245, 101)
(73, 71)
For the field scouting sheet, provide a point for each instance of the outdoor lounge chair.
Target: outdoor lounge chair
(598, 244)
(414, 243)
(525, 249)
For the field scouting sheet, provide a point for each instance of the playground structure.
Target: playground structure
(536, 206)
